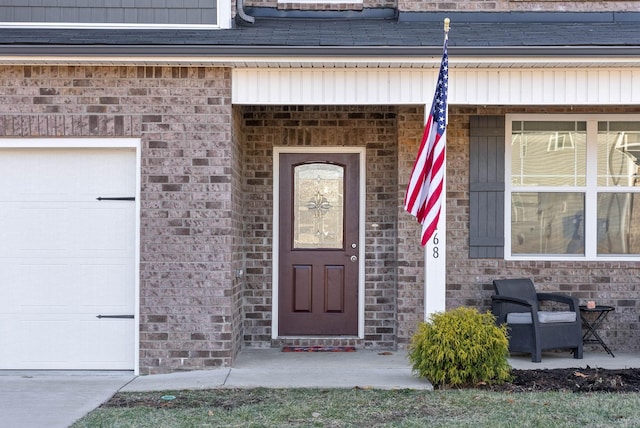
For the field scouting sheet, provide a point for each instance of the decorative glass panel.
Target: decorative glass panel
(547, 223)
(548, 153)
(618, 153)
(618, 223)
(318, 190)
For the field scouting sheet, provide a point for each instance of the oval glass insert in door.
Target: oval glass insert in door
(318, 206)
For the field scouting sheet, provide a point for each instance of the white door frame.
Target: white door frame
(101, 143)
(277, 151)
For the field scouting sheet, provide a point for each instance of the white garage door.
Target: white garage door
(67, 258)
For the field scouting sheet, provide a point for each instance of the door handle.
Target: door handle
(354, 259)
(114, 316)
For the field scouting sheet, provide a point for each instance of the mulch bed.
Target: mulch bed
(571, 380)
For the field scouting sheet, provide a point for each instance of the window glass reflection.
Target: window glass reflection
(548, 154)
(618, 153)
(547, 223)
(618, 223)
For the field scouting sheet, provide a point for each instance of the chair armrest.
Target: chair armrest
(497, 302)
(573, 303)
(514, 300)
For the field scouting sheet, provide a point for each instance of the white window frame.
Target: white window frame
(591, 188)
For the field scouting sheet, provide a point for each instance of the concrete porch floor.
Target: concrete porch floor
(561, 360)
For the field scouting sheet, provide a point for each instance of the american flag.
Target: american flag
(427, 178)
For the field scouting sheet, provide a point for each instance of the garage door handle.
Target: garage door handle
(114, 316)
(122, 198)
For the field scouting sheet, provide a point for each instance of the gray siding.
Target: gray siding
(185, 12)
(486, 187)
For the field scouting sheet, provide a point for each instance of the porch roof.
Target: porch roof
(490, 38)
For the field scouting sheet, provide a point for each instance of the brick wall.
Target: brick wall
(515, 5)
(410, 253)
(237, 238)
(371, 127)
(454, 5)
(189, 304)
(573, 6)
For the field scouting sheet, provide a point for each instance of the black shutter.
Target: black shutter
(486, 187)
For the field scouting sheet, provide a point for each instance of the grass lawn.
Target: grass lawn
(365, 408)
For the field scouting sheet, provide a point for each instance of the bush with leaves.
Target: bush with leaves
(461, 347)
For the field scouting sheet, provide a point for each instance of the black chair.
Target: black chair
(531, 330)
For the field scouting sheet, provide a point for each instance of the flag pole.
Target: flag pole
(435, 262)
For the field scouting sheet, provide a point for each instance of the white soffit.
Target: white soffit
(480, 86)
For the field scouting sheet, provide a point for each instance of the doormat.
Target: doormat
(319, 349)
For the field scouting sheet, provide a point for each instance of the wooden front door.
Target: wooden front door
(318, 243)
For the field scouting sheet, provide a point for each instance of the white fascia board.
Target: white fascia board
(324, 62)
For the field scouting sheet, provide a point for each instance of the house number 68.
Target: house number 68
(435, 242)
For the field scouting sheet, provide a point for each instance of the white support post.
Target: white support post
(435, 268)
(435, 261)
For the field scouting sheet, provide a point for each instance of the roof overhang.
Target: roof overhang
(324, 57)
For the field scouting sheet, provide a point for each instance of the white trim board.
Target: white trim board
(208, 56)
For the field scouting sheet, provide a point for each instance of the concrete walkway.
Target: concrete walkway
(57, 399)
(53, 399)
(275, 369)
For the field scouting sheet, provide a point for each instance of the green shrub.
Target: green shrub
(459, 347)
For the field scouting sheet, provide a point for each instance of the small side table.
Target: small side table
(592, 324)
